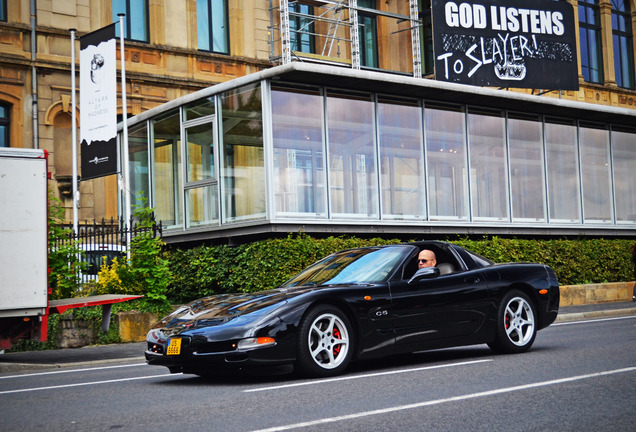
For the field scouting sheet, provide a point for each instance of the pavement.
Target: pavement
(101, 355)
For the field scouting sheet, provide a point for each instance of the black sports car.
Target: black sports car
(359, 304)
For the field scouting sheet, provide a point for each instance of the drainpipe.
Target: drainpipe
(34, 78)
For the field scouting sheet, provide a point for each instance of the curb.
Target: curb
(595, 314)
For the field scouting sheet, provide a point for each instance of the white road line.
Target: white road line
(83, 384)
(441, 401)
(72, 371)
(328, 380)
(592, 321)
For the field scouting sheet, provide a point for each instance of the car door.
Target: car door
(447, 306)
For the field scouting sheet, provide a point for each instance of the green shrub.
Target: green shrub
(265, 264)
(147, 273)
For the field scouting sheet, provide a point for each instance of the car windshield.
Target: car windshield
(356, 266)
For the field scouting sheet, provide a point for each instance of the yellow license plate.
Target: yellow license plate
(174, 347)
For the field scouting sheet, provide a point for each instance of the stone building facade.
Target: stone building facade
(179, 47)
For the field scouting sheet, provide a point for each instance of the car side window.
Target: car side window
(410, 268)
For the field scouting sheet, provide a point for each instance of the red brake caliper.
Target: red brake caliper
(336, 348)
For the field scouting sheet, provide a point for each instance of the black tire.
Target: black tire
(516, 324)
(325, 343)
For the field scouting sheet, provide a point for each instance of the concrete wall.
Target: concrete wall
(572, 295)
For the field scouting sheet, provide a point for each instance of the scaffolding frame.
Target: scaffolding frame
(333, 14)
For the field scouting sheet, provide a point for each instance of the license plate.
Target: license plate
(174, 347)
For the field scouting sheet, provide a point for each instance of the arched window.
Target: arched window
(623, 42)
(5, 122)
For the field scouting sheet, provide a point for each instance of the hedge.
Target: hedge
(265, 264)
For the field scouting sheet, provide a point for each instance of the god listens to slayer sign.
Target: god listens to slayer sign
(522, 43)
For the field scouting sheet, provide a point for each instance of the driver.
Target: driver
(426, 258)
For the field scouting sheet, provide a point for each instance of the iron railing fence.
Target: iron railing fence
(102, 241)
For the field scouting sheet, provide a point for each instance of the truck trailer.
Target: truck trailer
(24, 291)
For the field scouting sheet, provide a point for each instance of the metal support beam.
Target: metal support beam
(415, 39)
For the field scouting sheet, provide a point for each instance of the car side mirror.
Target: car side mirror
(424, 273)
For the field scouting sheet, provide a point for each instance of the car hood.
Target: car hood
(221, 309)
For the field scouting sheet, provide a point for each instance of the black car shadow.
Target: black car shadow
(287, 375)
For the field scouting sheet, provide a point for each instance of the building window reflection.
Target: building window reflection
(299, 172)
(136, 19)
(167, 183)
(353, 182)
(488, 165)
(591, 42)
(527, 168)
(212, 26)
(401, 159)
(595, 173)
(624, 164)
(446, 162)
(623, 42)
(562, 164)
(5, 122)
(243, 165)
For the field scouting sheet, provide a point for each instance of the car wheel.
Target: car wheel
(516, 324)
(325, 342)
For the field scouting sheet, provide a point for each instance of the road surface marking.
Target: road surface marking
(441, 401)
(72, 370)
(83, 384)
(346, 378)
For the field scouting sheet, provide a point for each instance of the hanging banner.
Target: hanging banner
(98, 103)
(521, 43)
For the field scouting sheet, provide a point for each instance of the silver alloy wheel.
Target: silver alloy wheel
(328, 341)
(519, 321)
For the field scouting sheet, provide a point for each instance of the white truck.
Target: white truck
(23, 245)
(24, 291)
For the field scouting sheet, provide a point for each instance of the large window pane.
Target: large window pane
(401, 160)
(596, 174)
(199, 108)
(138, 159)
(527, 178)
(563, 172)
(352, 167)
(243, 166)
(299, 174)
(201, 206)
(623, 42)
(488, 165)
(212, 28)
(5, 122)
(624, 161)
(590, 38)
(201, 189)
(301, 28)
(200, 153)
(136, 19)
(446, 163)
(167, 199)
(368, 35)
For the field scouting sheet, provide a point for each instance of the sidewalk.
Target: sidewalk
(126, 352)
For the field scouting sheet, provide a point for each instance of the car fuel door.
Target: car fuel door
(444, 306)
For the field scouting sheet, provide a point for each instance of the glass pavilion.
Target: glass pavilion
(325, 149)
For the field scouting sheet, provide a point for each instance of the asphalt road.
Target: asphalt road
(579, 376)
